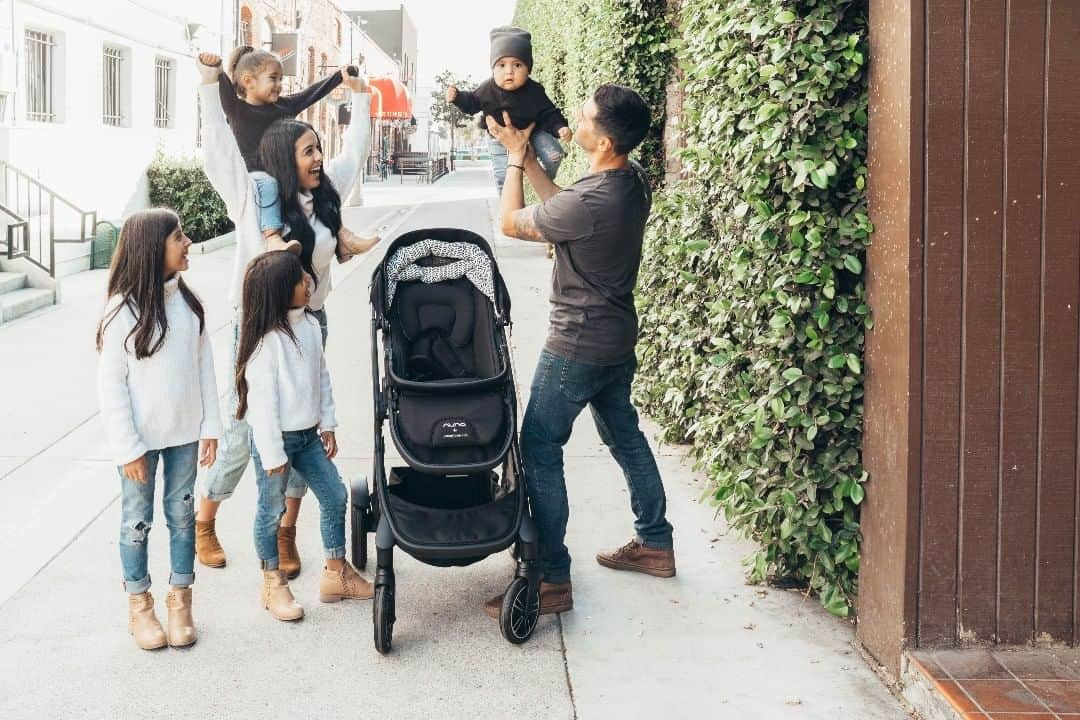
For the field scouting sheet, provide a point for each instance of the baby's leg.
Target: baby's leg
(270, 220)
(498, 163)
(548, 151)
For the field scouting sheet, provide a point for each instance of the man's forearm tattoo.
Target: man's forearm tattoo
(525, 225)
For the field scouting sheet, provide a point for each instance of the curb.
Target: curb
(213, 244)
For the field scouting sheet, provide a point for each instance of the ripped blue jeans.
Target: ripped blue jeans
(548, 151)
(137, 516)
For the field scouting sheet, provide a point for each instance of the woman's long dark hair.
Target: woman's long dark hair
(137, 275)
(267, 297)
(277, 155)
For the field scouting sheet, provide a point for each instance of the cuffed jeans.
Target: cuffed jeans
(234, 448)
(548, 151)
(180, 465)
(305, 452)
(561, 389)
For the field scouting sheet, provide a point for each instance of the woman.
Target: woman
(311, 204)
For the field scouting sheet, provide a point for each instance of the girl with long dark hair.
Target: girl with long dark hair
(308, 194)
(159, 403)
(283, 389)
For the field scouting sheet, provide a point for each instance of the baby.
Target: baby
(510, 89)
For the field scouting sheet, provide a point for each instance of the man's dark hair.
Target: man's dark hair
(622, 115)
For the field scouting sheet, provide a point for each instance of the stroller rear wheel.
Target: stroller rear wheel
(384, 617)
(520, 611)
(361, 515)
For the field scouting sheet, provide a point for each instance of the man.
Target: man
(596, 226)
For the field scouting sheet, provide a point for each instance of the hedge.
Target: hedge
(751, 295)
(183, 186)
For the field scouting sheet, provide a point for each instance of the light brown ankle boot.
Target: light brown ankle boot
(278, 598)
(181, 625)
(142, 623)
(207, 547)
(288, 556)
(351, 244)
(345, 583)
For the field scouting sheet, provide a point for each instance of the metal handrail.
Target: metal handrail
(44, 194)
(20, 250)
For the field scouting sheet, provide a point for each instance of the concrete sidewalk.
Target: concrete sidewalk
(702, 644)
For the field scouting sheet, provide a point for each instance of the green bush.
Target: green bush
(182, 185)
(751, 294)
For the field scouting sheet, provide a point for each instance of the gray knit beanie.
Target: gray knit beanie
(510, 41)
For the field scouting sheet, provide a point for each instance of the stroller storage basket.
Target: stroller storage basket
(430, 511)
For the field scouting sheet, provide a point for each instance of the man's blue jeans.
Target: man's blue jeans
(306, 454)
(561, 389)
(137, 516)
(548, 151)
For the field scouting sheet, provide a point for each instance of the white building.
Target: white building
(90, 90)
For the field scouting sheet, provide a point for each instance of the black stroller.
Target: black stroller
(440, 311)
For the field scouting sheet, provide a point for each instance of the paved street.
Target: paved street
(703, 644)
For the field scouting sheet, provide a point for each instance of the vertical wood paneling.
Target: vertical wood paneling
(1021, 282)
(1061, 297)
(943, 295)
(981, 339)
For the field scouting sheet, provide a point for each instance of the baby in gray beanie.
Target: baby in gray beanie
(511, 90)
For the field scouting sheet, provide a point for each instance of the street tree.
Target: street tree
(445, 111)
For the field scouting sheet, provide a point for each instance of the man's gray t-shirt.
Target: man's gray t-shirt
(597, 226)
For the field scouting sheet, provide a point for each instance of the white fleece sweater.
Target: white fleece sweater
(162, 401)
(228, 173)
(288, 387)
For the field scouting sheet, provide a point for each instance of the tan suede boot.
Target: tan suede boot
(288, 556)
(278, 598)
(181, 625)
(342, 584)
(207, 547)
(351, 244)
(142, 623)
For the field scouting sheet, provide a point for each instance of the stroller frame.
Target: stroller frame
(370, 511)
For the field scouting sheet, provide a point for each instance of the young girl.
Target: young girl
(283, 390)
(158, 402)
(252, 102)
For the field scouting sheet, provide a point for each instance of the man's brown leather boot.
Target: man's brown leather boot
(288, 556)
(278, 598)
(554, 598)
(635, 557)
(143, 623)
(207, 547)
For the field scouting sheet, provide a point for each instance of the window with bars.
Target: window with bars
(163, 82)
(110, 100)
(39, 76)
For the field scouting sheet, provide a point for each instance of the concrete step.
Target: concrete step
(11, 281)
(17, 303)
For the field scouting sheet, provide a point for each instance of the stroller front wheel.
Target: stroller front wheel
(520, 611)
(383, 611)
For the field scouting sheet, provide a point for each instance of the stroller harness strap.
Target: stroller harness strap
(473, 263)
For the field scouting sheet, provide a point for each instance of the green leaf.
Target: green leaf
(856, 493)
(784, 17)
(819, 178)
(696, 245)
(852, 264)
(853, 364)
(792, 374)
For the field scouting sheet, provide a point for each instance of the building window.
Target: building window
(198, 121)
(337, 32)
(310, 114)
(39, 76)
(245, 26)
(111, 86)
(163, 92)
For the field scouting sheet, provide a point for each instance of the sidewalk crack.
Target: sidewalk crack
(566, 667)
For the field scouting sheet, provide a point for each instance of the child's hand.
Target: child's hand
(329, 443)
(208, 452)
(136, 470)
(278, 470)
(209, 67)
(451, 93)
(356, 83)
(566, 134)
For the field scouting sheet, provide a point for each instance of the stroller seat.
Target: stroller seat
(437, 328)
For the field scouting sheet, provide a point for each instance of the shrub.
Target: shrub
(182, 185)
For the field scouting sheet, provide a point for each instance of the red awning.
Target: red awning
(389, 99)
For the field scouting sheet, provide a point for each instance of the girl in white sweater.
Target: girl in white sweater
(158, 402)
(283, 391)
